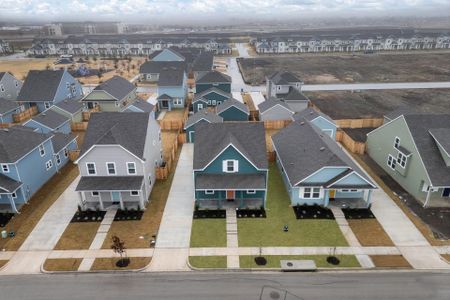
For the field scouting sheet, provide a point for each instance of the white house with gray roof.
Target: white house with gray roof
(286, 87)
(9, 86)
(274, 110)
(118, 159)
(316, 171)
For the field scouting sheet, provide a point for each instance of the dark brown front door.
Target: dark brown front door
(230, 195)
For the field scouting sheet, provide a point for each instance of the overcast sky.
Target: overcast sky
(148, 10)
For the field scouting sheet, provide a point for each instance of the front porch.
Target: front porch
(234, 203)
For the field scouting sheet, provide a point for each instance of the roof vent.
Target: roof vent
(322, 148)
(302, 123)
(43, 114)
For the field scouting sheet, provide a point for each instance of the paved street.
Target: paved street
(306, 286)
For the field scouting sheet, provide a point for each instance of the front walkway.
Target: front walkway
(173, 240)
(45, 235)
(232, 237)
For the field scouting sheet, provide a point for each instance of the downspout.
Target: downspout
(428, 197)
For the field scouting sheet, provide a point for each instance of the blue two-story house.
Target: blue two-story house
(230, 165)
(45, 88)
(49, 121)
(316, 170)
(7, 109)
(172, 85)
(233, 110)
(211, 97)
(319, 119)
(27, 161)
(213, 79)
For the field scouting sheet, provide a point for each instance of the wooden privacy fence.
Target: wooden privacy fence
(25, 115)
(79, 126)
(359, 123)
(6, 125)
(162, 172)
(271, 156)
(352, 145)
(74, 154)
(276, 124)
(176, 124)
(87, 114)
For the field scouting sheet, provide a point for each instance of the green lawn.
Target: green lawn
(208, 233)
(269, 231)
(208, 261)
(273, 261)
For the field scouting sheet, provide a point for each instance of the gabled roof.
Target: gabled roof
(17, 141)
(304, 149)
(164, 97)
(202, 115)
(232, 103)
(143, 105)
(8, 185)
(156, 67)
(128, 130)
(442, 137)
(402, 110)
(311, 114)
(117, 86)
(293, 95)
(171, 78)
(420, 126)
(70, 106)
(204, 62)
(248, 138)
(283, 78)
(199, 96)
(271, 103)
(61, 140)
(40, 85)
(7, 106)
(214, 77)
(50, 119)
(156, 53)
(110, 183)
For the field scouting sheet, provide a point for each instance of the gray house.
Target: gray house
(113, 95)
(151, 70)
(118, 159)
(9, 86)
(414, 150)
(71, 109)
(274, 110)
(7, 109)
(287, 87)
(203, 116)
(49, 121)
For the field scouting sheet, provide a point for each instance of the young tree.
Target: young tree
(118, 247)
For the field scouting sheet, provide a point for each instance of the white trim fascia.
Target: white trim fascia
(292, 113)
(232, 105)
(376, 129)
(439, 144)
(317, 171)
(352, 172)
(88, 100)
(95, 145)
(202, 118)
(319, 116)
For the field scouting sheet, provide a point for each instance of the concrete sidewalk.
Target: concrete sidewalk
(173, 240)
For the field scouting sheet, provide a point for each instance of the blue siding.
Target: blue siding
(64, 160)
(7, 117)
(167, 55)
(353, 179)
(325, 175)
(234, 114)
(65, 128)
(196, 107)
(200, 87)
(326, 126)
(245, 167)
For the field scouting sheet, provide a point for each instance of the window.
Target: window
(251, 192)
(16, 83)
(396, 142)
(47, 105)
(42, 150)
(219, 102)
(111, 168)
(48, 165)
(5, 168)
(402, 159)
(66, 152)
(58, 159)
(200, 106)
(91, 168)
(349, 191)
(230, 166)
(67, 85)
(95, 194)
(131, 167)
(2, 88)
(14, 195)
(311, 193)
(150, 179)
(134, 193)
(213, 102)
(209, 192)
(391, 162)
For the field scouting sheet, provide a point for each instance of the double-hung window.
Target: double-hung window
(230, 166)
(48, 165)
(402, 159)
(111, 168)
(209, 192)
(391, 162)
(396, 142)
(58, 159)
(91, 169)
(47, 105)
(311, 193)
(5, 168)
(131, 167)
(41, 150)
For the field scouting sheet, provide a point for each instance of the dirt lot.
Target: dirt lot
(348, 68)
(369, 232)
(125, 68)
(390, 261)
(374, 104)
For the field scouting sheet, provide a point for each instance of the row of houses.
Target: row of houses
(123, 45)
(350, 43)
(4, 47)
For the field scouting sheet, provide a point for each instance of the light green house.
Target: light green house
(113, 95)
(414, 149)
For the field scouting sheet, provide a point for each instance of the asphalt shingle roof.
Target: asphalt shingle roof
(283, 78)
(230, 181)
(303, 149)
(199, 96)
(110, 183)
(230, 103)
(40, 85)
(442, 136)
(311, 114)
(268, 104)
(212, 138)
(155, 67)
(203, 115)
(204, 62)
(50, 119)
(171, 78)
(8, 184)
(61, 140)
(117, 86)
(143, 105)
(17, 141)
(70, 106)
(7, 105)
(115, 128)
(214, 77)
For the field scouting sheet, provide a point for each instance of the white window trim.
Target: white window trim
(42, 150)
(2, 88)
(107, 168)
(349, 191)
(137, 193)
(47, 105)
(92, 194)
(399, 140)
(14, 195)
(5, 168)
(66, 152)
(302, 192)
(58, 158)
(128, 168)
(48, 164)
(87, 168)
(393, 163)
(400, 157)
(200, 106)
(213, 102)
(251, 191)
(209, 192)
(235, 166)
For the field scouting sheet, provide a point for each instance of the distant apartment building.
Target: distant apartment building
(4, 47)
(67, 28)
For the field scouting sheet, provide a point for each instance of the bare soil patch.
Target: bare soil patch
(62, 264)
(369, 232)
(390, 261)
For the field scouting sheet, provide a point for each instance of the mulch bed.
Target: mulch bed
(128, 215)
(312, 212)
(358, 213)
(250, 213)
(210, 214)
(88, 216)
(4, 218)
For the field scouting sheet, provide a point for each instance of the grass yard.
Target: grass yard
(62, 264)
(267, 232)
(3, 262)
(273, 261)
(215, 262)
(208, 233)
(110, 263)
(369, 232)
(31, 213)
(137, 234)
(390, 261)
(78, 236)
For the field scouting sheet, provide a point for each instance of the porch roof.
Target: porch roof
(8, 185)
(230, 181)
(110, 183)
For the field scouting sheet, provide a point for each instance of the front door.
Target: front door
(165, 104)
(115, 197)
(230, 195)
(191, 136)
(332, 194)
(446, 192)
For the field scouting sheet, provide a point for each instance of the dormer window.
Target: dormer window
(230, 166)
(396, 142)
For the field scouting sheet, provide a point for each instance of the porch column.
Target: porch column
(428, 197)
(141, 202)
(82, 199)
(369, 197)
(13, 204)
(121, 201)
(327, 198)
(100, 201)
